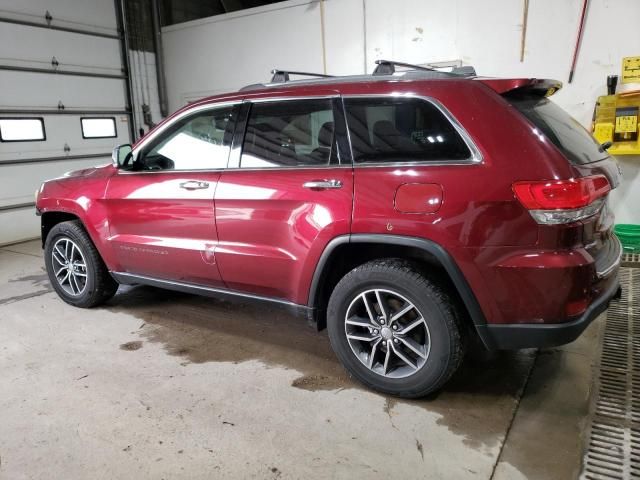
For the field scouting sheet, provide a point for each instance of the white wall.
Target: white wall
(225, 52)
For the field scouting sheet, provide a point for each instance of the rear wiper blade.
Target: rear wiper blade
(605, 145)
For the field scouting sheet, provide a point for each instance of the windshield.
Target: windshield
(566, 133)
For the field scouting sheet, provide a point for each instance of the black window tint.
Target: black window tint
(198, 142)
(401, 130)
(288, 134)
(560, 128)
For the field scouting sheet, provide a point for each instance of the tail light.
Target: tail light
(555, 202)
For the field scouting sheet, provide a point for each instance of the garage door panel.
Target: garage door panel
(37, 90)
(94, 15)
(33, 174)
(87, 81)
(71, 54)
(61, 130)
(17, 225)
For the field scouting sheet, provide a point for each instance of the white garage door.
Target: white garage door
(63, 98)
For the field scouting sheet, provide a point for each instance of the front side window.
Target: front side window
(22, 130)
(389, 130)
(289, 133)
(198, 142)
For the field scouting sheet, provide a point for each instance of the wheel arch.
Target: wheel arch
(50, 219)
(345, 252)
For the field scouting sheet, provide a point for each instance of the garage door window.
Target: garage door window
(98, 127)
(22, 130)
(289, 134)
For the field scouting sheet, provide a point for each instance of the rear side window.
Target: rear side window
(289, 133)
(566, 133)
(388, 130)
(22, 130)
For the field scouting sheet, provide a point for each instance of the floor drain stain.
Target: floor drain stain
(131, 346)
(613, 448)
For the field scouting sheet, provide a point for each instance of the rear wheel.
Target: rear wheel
(75, 269)
(395, 330)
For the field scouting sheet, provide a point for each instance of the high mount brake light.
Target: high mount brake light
(562, 201)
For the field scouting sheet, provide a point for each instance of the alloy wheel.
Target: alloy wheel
(387, 333)
(69, 266)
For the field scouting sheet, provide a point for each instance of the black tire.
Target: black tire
(100, 285)
(441, 314)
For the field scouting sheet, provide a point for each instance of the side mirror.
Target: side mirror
(121, 156)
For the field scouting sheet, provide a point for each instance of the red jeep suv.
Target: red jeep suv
(407, 211)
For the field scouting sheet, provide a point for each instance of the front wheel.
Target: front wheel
(393, 329)
(75, 269)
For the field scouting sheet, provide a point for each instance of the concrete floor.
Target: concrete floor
(159, 384)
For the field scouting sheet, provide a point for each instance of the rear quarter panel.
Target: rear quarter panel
(480, 220)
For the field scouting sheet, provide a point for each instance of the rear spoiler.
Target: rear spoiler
(543, 87)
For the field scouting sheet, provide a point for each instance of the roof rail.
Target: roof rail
(388, 67)
(384, 68)
(282, 76)
(465, 71)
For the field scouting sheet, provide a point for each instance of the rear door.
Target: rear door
(161, 211)
(286, 194)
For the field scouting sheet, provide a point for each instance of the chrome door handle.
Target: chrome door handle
(322, 184)
(194, 185)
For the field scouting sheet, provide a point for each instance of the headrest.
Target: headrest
(325, 135)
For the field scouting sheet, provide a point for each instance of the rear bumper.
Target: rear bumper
(515, 336)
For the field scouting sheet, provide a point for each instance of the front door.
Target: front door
(161, 212)
(287, 193)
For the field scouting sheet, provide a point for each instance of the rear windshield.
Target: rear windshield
(564, 131)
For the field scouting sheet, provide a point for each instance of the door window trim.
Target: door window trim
(344, 150)
(476, 155)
